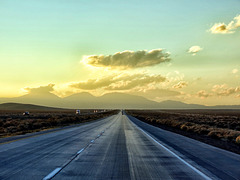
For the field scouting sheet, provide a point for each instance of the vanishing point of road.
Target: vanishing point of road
(117, 147)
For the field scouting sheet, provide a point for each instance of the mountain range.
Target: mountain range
(115, 100)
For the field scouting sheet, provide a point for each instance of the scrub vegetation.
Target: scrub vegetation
(15, 123)
(220, 128)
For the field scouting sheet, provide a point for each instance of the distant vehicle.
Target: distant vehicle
(78, 111)
(26, 113)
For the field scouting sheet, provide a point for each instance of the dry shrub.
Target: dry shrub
(222, 127)
(184, 127)
(238, 140)
(18, 124)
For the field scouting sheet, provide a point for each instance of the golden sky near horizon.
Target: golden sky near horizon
(186, 51)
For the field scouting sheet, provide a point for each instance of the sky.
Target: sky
(160, 49)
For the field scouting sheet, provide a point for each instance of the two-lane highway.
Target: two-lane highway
(118, 147)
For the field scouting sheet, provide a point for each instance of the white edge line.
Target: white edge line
(186, 163)
(80, 151)
(52, 174)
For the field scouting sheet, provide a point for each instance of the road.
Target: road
(117, 147)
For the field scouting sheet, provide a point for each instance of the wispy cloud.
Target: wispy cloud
(222, 28)
(92, 84)
(135, 82)
(40, 89)
(219, 91)
(119, 82)
(223, 90)
(128, 59)
(180, 85)
(203, 94)
(194, 50)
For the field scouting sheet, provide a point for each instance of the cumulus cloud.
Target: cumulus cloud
(92, 84)
(228, 91)
(203, 94)
(128, 59)
(217, 87)
(222, 28)
(219, 90)
(141, 80)
(180, 85)
(234, 71)
(224, 90)
(194, 50)
(40, 89)
(119, 82)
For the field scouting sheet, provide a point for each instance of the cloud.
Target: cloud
(133, 82)
(194, 50)
(40, 89)
(228, 91)
(224, 90)
(180, 85)
(203, 94)
(234, 71)
(128, 59)
(217, 87)
(222, 28)
(92, 84)
(219, 90)
(119, 82)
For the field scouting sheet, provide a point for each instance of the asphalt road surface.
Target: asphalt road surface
(117, 147)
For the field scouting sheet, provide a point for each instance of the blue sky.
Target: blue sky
(44, 41)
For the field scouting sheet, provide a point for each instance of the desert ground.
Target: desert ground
(15, 123)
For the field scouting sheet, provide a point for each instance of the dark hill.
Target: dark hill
(27, 107)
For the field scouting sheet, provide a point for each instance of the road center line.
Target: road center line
(57, 170)
(171, 152)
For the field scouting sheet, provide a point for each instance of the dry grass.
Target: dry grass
(238, 140)
(218, 125)
(14, 123)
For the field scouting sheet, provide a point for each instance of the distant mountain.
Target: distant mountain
(115, 100)
(81, 100)
(225, 107)
(111, 100)
(27, 107)
(44, 99)
(124, 101)
(179, 105)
